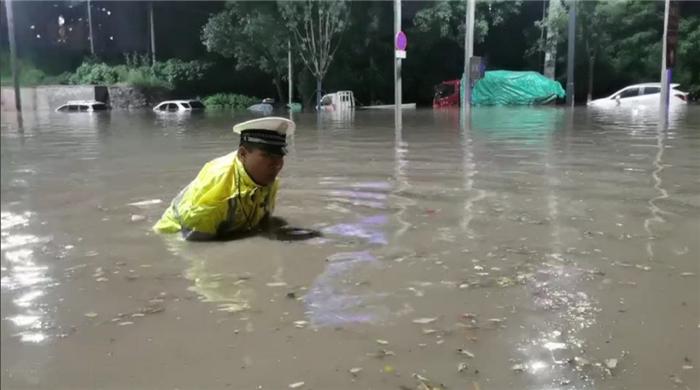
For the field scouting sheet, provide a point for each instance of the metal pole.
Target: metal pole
(570, 54)
(13, 53)
(289, 74)
(664, 71)
(397, 66)
(153, 32)
(468, 50)
(92, 37)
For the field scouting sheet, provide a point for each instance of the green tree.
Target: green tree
(317, 28)
(446, 18)
(688, 63)
(250, 32)
(593, 32)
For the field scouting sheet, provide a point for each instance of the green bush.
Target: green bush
(29, 74)
(98, 73)
(180, 74)
(230, 101)
(172, 74)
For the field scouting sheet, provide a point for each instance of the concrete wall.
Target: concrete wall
(49, 97)
(46, 97)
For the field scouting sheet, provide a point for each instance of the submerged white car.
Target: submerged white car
(647, 94)
(82, 106)
(178, 106)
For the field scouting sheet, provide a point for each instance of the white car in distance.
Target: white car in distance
(179, 106)
(647, 94)
(82, 106)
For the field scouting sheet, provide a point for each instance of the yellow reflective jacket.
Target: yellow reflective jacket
(221, 199)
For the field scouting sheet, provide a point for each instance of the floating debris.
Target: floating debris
(382, 342)
(291, 295)
(496, 321)
(623, 264)
(688, 274)
(152, 309)
(676, 380)
(468, 316)
(429, 331)
(505, 281)
(91, 314)
(101, 279)
(145, 203)
(462, 366)
(388, 369)
(382, 353)
(276, 284)
(466, 353)
(611, 363)
(296, 385)
(581, 361)
(424, 321)
(300, 324)
(137, 218)
(518, 367)
(687, 367)
(643, 267)
(420, 377)
(355, 370)
(124, 323)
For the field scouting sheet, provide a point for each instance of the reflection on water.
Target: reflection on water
(554, 244)
(23, 277)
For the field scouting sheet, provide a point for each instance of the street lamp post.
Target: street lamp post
(13, 53)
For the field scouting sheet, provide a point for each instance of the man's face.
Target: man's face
(262, 166)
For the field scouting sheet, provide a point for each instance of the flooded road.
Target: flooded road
(530, 248)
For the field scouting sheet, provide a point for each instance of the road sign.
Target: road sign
(476, 68)
(401, 41)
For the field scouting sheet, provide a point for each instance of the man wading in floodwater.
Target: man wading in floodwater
(234, 193)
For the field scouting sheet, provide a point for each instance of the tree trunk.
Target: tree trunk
(318, 91)
(550, 53)
(278, 86)
(591, 65)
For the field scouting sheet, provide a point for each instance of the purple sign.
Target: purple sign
(401, 41)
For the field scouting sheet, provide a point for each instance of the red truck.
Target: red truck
(446, 94)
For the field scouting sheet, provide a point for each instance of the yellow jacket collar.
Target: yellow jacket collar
(246, 180)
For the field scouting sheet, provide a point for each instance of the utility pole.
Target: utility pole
(13, 53)
(468, 51)
(289, 74)
(92, 37)
(668, 56)
(153, 32)
(570, 54)
(397, 66)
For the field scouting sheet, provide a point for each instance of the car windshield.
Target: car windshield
(99, 107)
(185, 105)
(196, 104)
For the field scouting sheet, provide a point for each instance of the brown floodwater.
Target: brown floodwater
(525, 248)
